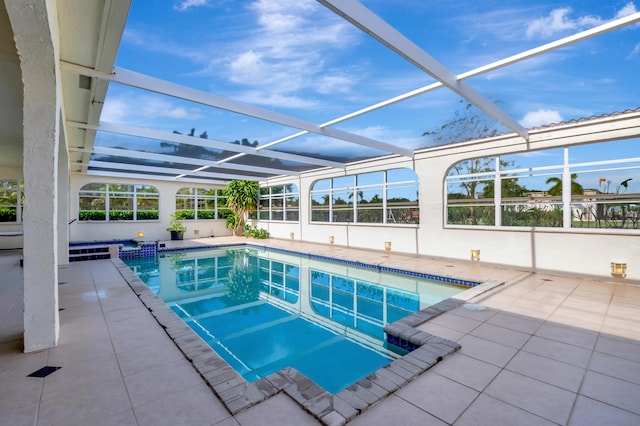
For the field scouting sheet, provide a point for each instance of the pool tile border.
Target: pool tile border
(448, 280)
(330, 409)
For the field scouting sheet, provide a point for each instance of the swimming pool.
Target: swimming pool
(264, 310)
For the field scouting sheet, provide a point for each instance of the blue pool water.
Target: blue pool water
(265, 310)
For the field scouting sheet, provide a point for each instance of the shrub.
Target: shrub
(85, 215)
(147, 215)
(185, 214)
(254, 232)
(8, 215)
(121, 215)
(206, 214)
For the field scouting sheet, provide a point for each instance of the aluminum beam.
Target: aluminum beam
(536, 51)
(153, 177)
(141, 81)
(169, 170)
(366, 20)
(119, 152)
(206, 143)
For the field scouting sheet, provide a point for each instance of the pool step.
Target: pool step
(79, 253)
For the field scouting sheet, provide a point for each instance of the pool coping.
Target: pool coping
(330, 409)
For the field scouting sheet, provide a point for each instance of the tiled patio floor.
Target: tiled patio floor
(540, 349)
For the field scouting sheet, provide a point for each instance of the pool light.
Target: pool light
(387, 245)
(331, 239)
(618, 268)
(475, 255)
(140, 234)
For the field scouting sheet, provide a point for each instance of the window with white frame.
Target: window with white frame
(586, 186)
(279, 202)
(201, 204)
(118, 202)
(11, 201)
(387, 196)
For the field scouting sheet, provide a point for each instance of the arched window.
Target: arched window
(585, 186)
(201, 204)
(387, 196)
(280, 202)
(118, 202)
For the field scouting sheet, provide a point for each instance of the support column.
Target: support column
(33, 24)
(63, 200)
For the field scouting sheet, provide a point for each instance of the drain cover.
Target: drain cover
(44, 371)
(474, 307)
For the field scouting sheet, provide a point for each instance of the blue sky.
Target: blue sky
(298, 58)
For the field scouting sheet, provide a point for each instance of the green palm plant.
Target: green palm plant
(556, 189)
(242, 199)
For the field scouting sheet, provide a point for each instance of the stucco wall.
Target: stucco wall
(584, 252)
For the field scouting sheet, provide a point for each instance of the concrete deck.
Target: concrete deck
(546, 349)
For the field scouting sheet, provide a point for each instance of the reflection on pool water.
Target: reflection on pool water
(265, 310)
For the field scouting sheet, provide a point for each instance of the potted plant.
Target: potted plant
(176, 227)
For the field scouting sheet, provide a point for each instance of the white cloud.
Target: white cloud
(247, 67)
(115, 111)
(540, 117)
(560, 20)
(634, 52)
(329, 84)
(275, 100)
(503, 24)
(142, 110)
(288, 52)
(187, 4)
(627, 9)
(557, 21)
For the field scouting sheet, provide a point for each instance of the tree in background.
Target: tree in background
(470, 123)
(467, 123)
(556, 189)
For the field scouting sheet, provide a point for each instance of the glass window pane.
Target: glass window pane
(375, 178)
(612, 202)
(370, 206)
(291, 188)
(603, 151)
(343, 182)
(470, 201)
(342, 204)
(94, 187)
(324, 184)
(542, 158)
(401, 175)
(8, 200)
(473, 166)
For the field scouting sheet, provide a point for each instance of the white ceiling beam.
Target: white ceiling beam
(366, 20)
(205, 143)
(127, 153)
(141, 81)
(168, 170)
(151, 177)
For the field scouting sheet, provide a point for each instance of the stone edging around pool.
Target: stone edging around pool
(237, 394)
